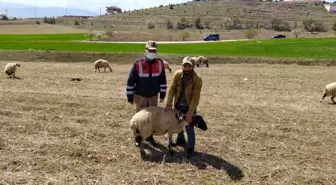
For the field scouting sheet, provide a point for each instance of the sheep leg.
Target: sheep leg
(139, 143)
(324, 95)
(332, 99)
(169, 70)
(170, 145)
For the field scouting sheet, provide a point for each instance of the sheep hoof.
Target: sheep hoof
(142, 152)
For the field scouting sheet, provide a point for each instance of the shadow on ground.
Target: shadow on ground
(160, 154)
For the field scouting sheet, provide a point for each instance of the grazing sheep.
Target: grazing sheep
(101, 63)
(166, 66)
(10, 69)
(201, 60)
(330, 90)
(155, 120)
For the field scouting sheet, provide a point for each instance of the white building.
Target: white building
(330, 7)
(2, 15)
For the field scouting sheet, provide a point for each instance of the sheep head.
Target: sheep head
(199, 122)
(17, 64)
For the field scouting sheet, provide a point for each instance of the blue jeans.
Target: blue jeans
(191, 136)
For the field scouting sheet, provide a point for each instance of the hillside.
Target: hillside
(215, 13)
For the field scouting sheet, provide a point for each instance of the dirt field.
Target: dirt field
(268, 129)
(38, 29)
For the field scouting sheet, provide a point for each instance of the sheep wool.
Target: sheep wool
(166, 66)
(155, 120)
(10, 69)
(202, 60)
(330, 90)
(101, 63)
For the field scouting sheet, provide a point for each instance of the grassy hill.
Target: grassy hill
(216, 13)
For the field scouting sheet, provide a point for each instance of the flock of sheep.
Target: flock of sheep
(157, 121)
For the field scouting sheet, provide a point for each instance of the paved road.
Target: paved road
(166, 42)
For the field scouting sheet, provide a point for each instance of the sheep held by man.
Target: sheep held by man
(10, 69)
(155, 120)
(166, 65)
(201, 60)
(330, 90)
(101, 63)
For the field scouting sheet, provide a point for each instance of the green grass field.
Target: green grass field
(318, 48)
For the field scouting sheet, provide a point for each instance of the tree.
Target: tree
(90, 34)
(185, 35)
(197, 23)
(169, 24)
(297, 32)
(250, 33)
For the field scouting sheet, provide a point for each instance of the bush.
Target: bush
(76, 22)
(185, 35)
(169, 24)
(280, 25)
(49, 20)
(4, 18)
(334, 26)
(109, 33)
(250, 33)
(197, 23)
(311, 25)
(249, 24)
(151, 26)
(182, 24)
(38, 22)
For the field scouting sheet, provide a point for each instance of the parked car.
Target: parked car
(211, 37)
(278, 36)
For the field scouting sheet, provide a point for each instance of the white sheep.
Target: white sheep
(201, 60)
(10, 69)
(101, 63)
(330, 90)
(155, 120)
(166, 65)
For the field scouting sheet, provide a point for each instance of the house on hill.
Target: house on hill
(2, 15)
(330, 8)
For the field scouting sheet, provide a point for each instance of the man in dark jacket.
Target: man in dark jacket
(146, 80)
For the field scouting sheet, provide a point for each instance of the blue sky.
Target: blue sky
(94, 5)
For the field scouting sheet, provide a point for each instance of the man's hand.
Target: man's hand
(161, 100)
(189, 117)
(168, 107)
(131, 102)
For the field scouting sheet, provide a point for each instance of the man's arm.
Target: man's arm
(172, 90)
(131, 82)
(163, 83)
(195, 96)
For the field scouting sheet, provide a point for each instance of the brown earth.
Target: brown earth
(266, 126)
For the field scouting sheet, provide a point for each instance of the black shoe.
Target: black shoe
(180, 143)
(151, 140)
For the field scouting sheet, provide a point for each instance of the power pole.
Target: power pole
(100, 12)
(6, 12)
